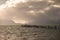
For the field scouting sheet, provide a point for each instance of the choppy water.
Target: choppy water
(17, 32)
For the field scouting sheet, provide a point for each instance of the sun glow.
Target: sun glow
(22, 21)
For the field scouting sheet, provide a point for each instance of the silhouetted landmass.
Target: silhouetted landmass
(41, 26)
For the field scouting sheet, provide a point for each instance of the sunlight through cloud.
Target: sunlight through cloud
(36, 0)
(50, 1)
(41, 11)
(47, 8)
(58, 6)
(22, 21)
(30, 6)
(28, 9)
(31, 12)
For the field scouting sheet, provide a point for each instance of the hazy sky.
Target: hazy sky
(29, 12)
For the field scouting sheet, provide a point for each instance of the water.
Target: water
(17, 32)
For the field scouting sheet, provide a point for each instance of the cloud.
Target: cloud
(57, 1)
(2, 1)
(25, 12)
(33, 12)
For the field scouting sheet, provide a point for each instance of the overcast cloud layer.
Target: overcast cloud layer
(31, 12)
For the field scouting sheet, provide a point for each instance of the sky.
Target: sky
(29, 12)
